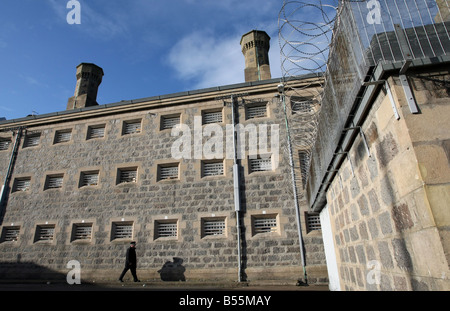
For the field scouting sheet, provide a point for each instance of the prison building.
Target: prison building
(80, 184)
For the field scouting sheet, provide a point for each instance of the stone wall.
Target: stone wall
(188, 200)
(389, 211)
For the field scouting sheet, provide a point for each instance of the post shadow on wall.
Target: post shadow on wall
(173, 271)
(243, 203)
(27, 270)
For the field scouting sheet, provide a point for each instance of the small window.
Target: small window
(54, 181)
(260, 164)
(10, 234)
(312, 222)
(256, 111)
(45, 233)
(209, 117)
(168, 171)
(81, 232)
(168, 122)
(264, 224)
(301, 104)
(32, 140)
(122, 230)
(97, 131)
(127, 175)
(22, 184)
(132, 127)
(213, 227)
(166, 229)
(89, 179)
(63, 136)
(4, 144)
(212, 168)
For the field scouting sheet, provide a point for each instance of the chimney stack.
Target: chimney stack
(255, 47)
(89, 77)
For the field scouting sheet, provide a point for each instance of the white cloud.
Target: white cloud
(204, 59)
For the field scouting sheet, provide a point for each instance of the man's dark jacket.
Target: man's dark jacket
(131, 257)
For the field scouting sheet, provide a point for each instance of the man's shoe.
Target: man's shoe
(121, 281)
(137, 280)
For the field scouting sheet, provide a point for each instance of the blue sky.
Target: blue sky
(145, 48)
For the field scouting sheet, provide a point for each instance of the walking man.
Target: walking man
(130, 263)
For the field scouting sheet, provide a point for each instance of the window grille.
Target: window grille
(264, 224)
(212, 117)
(168, 172)
(45, 233)
(10, 234)
(63, 136)
(301, 104)
(127, 175)
(122, 230)
(22, 184)
(132, 127)
(54, 182)
(4, 144)
(312, 222)
(169, 122)
(256, 111)
(89, 179)
(260, 165)
(212, 168)
(166, 229)
(82, 232)
(32, 140)
(213, 227)
(96, 132)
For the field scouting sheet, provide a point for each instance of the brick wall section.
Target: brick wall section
(266, 256)
(392, 213)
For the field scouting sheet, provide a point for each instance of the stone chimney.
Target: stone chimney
(89, 77)
(255, 47)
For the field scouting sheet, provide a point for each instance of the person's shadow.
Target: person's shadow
(173, 271)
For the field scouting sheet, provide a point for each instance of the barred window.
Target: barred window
(54, 181)
(127, 175)
(22, 184)
(81, 232)
(264, 224)
(209, 117)
(301, 104)
(4, 144)
(166, 229)
(260, 164)
(168, 122)
(97, 131)
(312, 222)
(32, 140)
(62, 136)
(132, 127)
(10, 234)
(89, 179)
(213, 226)
(168, 171)
(256, 111)
(122, 230)
(212, 168)
(45, 233)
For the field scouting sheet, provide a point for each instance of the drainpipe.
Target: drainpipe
(237, 197)
(12, 160)
(294, 186)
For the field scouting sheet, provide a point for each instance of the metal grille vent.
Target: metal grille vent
(260, 165)
(169, 122)
(212, 117)
(22, 184)
(32, 140)
(168, 172)
(4, 144)
(82, 232)
(132, 127)
(212, 169)
(257, 111)
(89, 179)
(45, 233)
(265, 224)
(313, 222)
(166, 229)
(10, 234)
(127, 175)
(213, 227)
(63, 136)
(96, 132)
(123, 230)
(54, 182)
